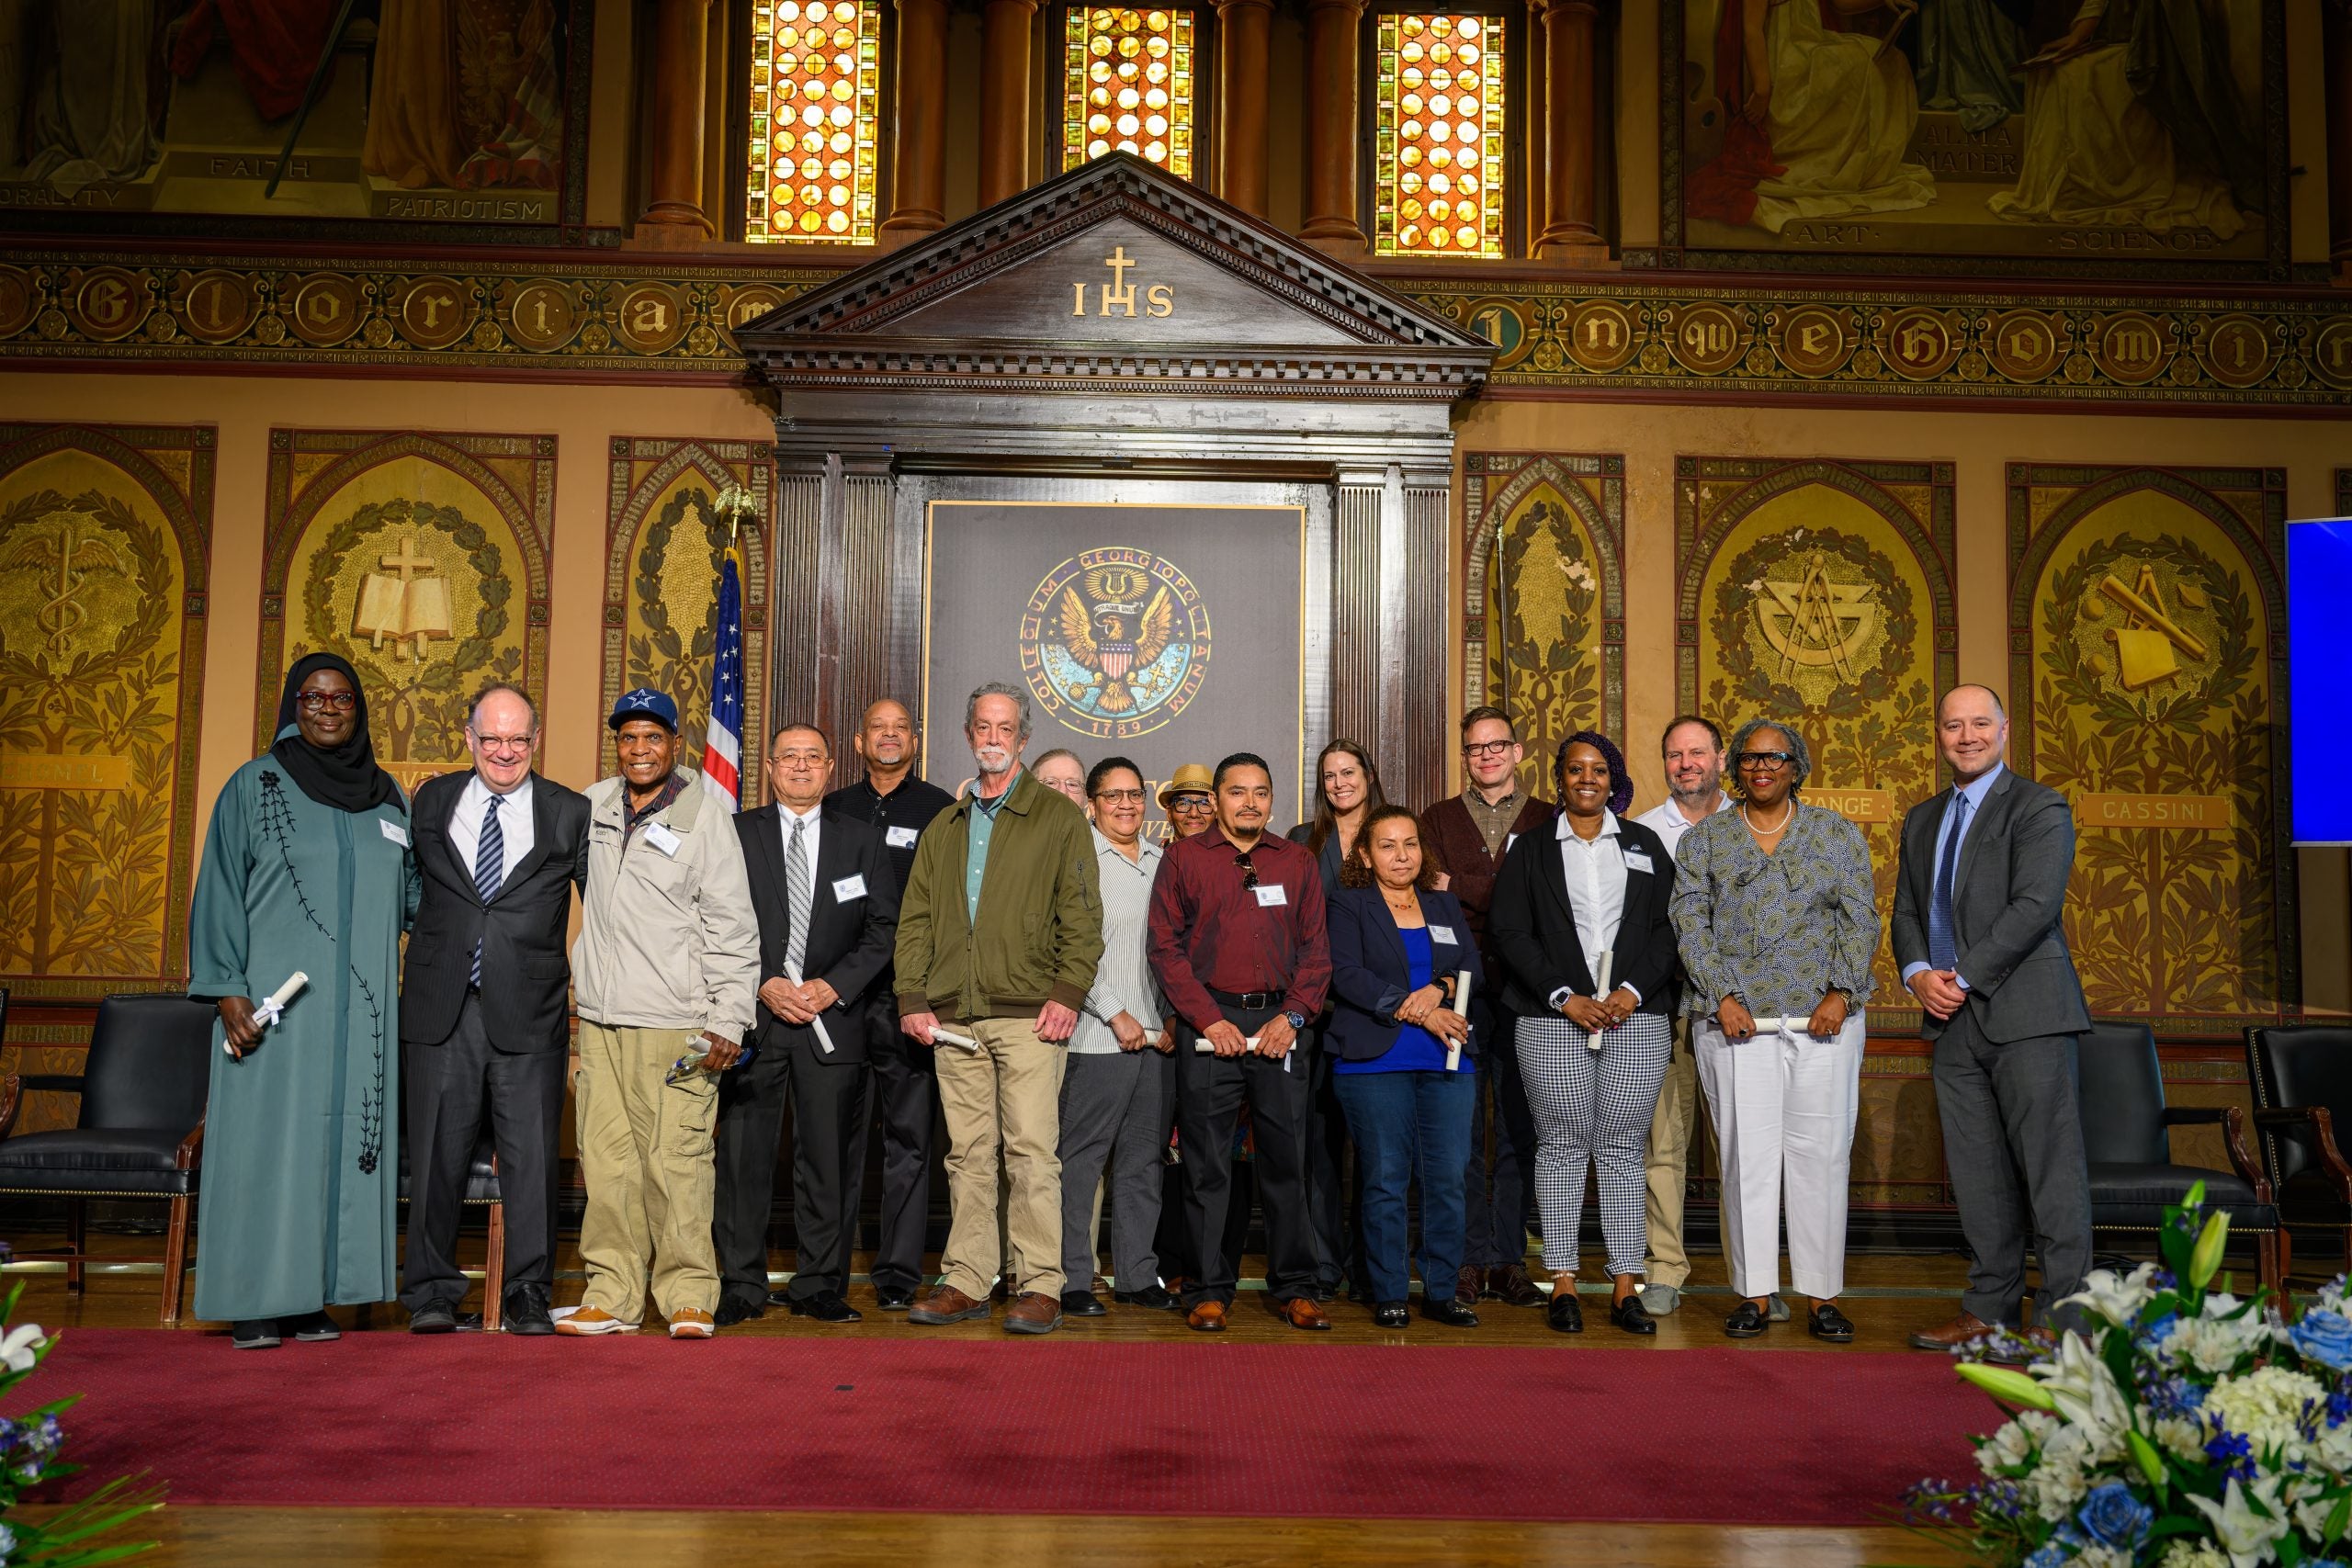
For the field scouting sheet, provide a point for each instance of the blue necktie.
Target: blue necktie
(1942, 951)
(489, 869)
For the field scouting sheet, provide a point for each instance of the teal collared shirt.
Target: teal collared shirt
(980, 827)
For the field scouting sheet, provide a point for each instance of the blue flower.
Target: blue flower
(2339, 1409)
(2152, 1337)
(2233, 1455)
(2325, 1338)
(2053, 1555)
(2112, 1517)
(1997, 1500)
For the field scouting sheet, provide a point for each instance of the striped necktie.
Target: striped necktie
(489, 869)
(800, 895)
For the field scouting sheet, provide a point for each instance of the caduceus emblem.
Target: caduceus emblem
(1114, 630)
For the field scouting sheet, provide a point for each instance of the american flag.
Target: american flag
(722, 747)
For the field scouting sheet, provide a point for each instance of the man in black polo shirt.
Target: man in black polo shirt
(900, 806)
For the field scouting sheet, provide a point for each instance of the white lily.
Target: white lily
(2084, 1391)
(17, 1349)
(2247, 1535)
(2116, 1297)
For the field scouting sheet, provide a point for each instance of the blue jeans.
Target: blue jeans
(1411, 1126)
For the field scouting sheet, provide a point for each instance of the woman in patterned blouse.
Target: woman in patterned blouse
(1774, 907)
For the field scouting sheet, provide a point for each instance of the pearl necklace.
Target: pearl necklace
(1775, 829)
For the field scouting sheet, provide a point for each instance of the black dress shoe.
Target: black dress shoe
(894, 1298)
(1632, 1317)
(734, 1310)
(254, 1333)
(1828, 1322)
(434, 1317)
(1454, 1315)
(524, 1310)
(1564, 1313)
(1746, 1322)
(826, 1306)
(311, 1328)
(1150, 1296)
(1391, 1315)
(1083, 1304)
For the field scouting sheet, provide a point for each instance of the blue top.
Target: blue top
(1416, 1050)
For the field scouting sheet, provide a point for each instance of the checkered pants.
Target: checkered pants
(1593, 1109)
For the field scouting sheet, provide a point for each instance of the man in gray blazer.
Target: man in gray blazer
(1980, 898)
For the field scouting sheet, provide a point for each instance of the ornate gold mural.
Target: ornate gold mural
(104, 543)
(1544, 606)
(664, 541)
(2147, 640)
(1818, 593)
(422, 559)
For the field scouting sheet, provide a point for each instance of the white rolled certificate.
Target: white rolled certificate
(1601, 994)
(1201, 1047)
(949, 1036)
(792, 973)
(272, 1007)
(1462, 1006)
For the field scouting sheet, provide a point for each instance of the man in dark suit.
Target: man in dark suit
(499, 851)
(1980, 898)
(827, 906)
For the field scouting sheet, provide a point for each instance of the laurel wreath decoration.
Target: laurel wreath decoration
(661, 657)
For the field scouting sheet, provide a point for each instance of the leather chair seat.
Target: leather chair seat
(2135, 1195)
(132, 1160)
(481, 1179)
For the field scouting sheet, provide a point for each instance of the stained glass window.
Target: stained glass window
(1128, 86)
(1438, 172)
(816, 121)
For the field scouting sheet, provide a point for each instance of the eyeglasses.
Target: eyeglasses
(341, 702)
(1487, 747)
(1120, 798)
(1248, 871)
(1191, 804)
(502, 742)
(1765, 760)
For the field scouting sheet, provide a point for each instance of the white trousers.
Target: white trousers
(1783, 1106)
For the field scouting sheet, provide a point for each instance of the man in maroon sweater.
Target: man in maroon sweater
(1472, 831)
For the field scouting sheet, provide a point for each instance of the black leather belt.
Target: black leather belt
(1247, 1001)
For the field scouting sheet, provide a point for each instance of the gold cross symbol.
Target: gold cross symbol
(407, 559)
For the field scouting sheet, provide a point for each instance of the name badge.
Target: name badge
(393, 831)
(1271, 897)
(901, 837)
(848, 887)
(1443, 935)
(1637, 859)
(659, 835)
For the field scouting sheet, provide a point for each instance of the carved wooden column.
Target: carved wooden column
(1004, 99)
(1571, 132)
(1334, 28)
(1242, 44)
(674, 136)
(919, 161)
(2335, 34)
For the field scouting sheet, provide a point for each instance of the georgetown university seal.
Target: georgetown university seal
(1115, 642)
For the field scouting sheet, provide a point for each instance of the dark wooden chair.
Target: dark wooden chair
(482, 1191)
(2301, 1078)
(138, 1135)
(2127, 1131)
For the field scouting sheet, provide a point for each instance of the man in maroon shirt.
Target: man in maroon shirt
(1238, 945)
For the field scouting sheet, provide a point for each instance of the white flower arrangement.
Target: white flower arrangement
(2187, 1429)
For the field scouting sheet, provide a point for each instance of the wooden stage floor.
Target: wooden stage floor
(1887, 1296)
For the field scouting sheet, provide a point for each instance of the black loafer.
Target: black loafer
(1632, 1317)
(434, 1317)
(1150, 1297)
(1083, 1304)
(259, 1334)
(1391, 1315)
(734, 1310)
(1454, 1315)
(1828, 1322)
(1746, 1322)
(311, 1328)
(826, 1306)
(894, 1298)
(1564, 1313)
(524, 1310)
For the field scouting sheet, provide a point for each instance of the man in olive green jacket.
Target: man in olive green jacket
(1000, 930)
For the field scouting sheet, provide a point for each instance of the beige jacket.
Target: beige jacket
(667, 940)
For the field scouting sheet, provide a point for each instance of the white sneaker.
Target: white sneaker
(1780, 1308)
(1659, 1301)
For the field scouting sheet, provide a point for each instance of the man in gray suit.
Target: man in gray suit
(1979, 901)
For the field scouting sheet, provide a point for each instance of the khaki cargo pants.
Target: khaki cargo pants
(646, 1157)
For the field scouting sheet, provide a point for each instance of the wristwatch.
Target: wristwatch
(1297, 1021)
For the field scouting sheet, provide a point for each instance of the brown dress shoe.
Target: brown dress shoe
(947, 1304)
(1467, 1283)
(1510, 1283)
(1959, 1331)
(1032, 1311)
(1208, 1317)
(1302, 1312)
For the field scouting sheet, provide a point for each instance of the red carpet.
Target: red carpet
(899, 1423)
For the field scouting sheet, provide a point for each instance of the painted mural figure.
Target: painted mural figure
(1823, 116)
(1969, 53)
(74, 77)
(2134, 118)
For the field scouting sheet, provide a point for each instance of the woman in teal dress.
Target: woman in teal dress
(306, 867)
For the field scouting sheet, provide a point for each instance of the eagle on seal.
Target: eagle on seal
(1117, 634)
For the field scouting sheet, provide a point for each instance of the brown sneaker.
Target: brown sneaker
(1032, 1311)
(1959, 1331)
(1302, 1312)
(1467, 1285)
(1510, 1283)
(1206, 1318)
(593, 1320)
(691, 1323)
(947, 1304)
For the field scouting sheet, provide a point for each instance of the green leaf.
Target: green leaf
(2151, 1463)
(2008, 1383)
(2338, 1517)
(2207, 1256)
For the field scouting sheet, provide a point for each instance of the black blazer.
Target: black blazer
(1370, 976)
(1534, 930)
(850, 938)
(526, 973)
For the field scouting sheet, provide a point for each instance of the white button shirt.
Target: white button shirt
(1666, 819)
(809, 835)
(1596, 874)
(513, 822)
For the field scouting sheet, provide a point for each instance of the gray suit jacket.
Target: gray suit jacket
(2009, 904)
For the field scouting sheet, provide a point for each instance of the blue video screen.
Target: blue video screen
(2319, 679)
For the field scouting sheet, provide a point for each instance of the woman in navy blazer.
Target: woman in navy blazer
(1592, 1055)
(1396, 945)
